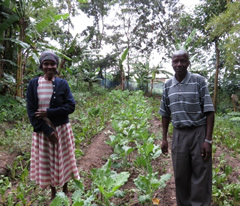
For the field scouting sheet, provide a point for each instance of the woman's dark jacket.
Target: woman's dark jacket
(61, 105)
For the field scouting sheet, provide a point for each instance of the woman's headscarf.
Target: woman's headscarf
(48, 55)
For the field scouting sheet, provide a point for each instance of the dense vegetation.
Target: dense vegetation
(118, 46)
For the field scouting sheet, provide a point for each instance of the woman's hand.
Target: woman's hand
(40, 114)
(53, 137)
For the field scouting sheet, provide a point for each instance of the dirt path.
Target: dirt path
(6, 160)
(98, 151)
(166, 196)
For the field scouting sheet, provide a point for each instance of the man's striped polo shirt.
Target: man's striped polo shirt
(187, 101)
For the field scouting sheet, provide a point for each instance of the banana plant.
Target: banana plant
(141, 74)
(18, 16)
(144, 73)
(121, 60)
(90, 74)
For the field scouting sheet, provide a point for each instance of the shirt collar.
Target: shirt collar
(184, 81)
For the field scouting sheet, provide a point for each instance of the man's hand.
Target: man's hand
(40, 114)
(53, 137)
(164, 147)
(206, 151)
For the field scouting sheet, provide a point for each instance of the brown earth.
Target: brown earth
(6, 160)
(98, 152)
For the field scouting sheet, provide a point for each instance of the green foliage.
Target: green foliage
(131, 126)
(17, 137)
(142, 72)
(89, 73)
(108, 181)
(60, 199)
(92, 113)
(12, 108)
(123, 56)
(130, 123)
(234, 118)
(18, 42)
(7, 23)
(226, 25)
(148, 184)
(224, 192)
(229, 133)
(41, 26)
(7, 85)
(80, 196)
(4, 185)
(19, 194)
(185, 45)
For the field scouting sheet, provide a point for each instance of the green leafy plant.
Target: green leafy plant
(121, 67)
(4, 185)
(147, 152)
(224, 192)
(12, 109)
(148, 184)
(108, 181)
(60, 199)
(23, 188)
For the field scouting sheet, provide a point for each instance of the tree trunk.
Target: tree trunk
(122, 80)
(90, 85)
(151, 87)
(19, 78)
(128, 79)
(1, 68)
(216, 75)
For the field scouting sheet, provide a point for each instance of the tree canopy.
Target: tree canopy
(210, 33)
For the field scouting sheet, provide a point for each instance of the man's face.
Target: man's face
(49, 68)
(180, 64)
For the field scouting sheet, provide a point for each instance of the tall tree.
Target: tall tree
(96, 10)
(95, 32)
(226, 26)
(142, 26)
(203, 13)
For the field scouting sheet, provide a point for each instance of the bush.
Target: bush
(12, 109)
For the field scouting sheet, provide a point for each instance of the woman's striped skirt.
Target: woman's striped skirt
(53, 164)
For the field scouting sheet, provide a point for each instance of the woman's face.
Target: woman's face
(49, 68)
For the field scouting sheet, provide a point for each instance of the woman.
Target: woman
(49, 102)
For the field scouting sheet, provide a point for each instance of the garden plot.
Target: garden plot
(119, 159)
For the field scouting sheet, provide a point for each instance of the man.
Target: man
(187, 103)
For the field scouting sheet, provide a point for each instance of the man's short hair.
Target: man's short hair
(180, 52)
